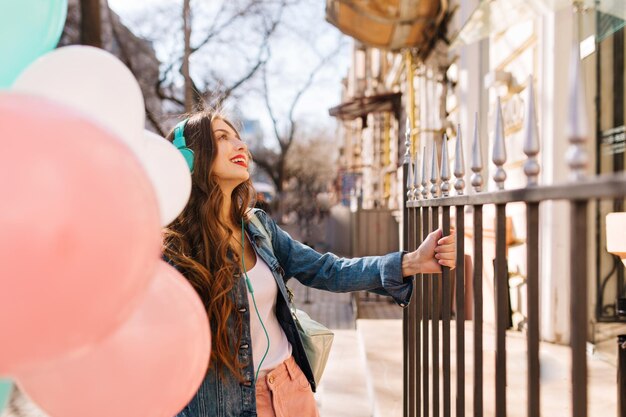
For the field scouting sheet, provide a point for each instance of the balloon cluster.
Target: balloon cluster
(93, 323)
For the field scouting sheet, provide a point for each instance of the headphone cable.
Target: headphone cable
(251, 290)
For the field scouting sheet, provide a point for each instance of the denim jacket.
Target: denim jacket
(286, 258)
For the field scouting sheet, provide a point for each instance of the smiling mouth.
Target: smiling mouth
(240, 162)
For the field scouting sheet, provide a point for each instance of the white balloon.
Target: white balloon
(169, 174)
(92, 81)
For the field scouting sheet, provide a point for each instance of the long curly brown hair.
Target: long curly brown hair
(197, 241)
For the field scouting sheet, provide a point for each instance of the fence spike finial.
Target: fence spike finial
(434, 172)
(459, 163)
(445, 167)
(477, 159)
(416, 181)
(577, 125)
(407, 141)
(424, 176)
(531, 137)
(499, 148)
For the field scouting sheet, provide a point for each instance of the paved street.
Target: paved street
(364, 373)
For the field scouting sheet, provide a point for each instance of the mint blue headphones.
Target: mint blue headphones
(181, 143)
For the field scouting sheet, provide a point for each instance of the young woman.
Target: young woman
(258, 365)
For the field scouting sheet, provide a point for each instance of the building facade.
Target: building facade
(479, 54)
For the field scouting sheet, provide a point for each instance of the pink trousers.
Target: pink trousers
(285, 392)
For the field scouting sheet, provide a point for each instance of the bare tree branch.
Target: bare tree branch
(168, 69)
(245, 11)
(260, 60)
(275, 164)
(169, 97)
(155, 123)
(125, 55)
(305, 87)
(263, 161)
(208, 91)
(268, 106)
(213, 31)
(188, 88)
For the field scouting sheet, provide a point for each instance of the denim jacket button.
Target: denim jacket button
(243, 310)
(244, 346)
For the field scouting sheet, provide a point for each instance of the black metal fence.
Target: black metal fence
(426, 202)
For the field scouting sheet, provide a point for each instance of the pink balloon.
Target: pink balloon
(150, 367)
(79, 231)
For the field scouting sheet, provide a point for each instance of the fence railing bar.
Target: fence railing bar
(477, 183)
(498, 157)
(532, 170)
(416, 311)
(410, 360)
(578, 307)
(459, 274)
(602, 186)
(532, 295)
(577, 159)
(406, 375)
(417, 314)
(460, 311)
(436, 312)
(478, 311)
(405, 313)
(502, 313)
(425, 321)
(446, 311)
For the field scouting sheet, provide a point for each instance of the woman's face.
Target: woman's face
(231, 162)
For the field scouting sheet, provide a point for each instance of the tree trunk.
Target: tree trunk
(185, 68)
(90, 23)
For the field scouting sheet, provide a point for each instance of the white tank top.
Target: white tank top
(265, 293)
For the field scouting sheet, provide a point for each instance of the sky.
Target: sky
(289, 66)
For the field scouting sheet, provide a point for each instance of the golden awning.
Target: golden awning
(388, 24)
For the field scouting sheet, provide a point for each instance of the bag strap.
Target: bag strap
(254, 219)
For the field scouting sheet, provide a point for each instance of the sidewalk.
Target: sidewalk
(343, 391)
(382, 344)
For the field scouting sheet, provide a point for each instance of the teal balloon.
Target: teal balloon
(6, 386)
(28, 29)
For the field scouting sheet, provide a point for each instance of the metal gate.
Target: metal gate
(428, 198)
